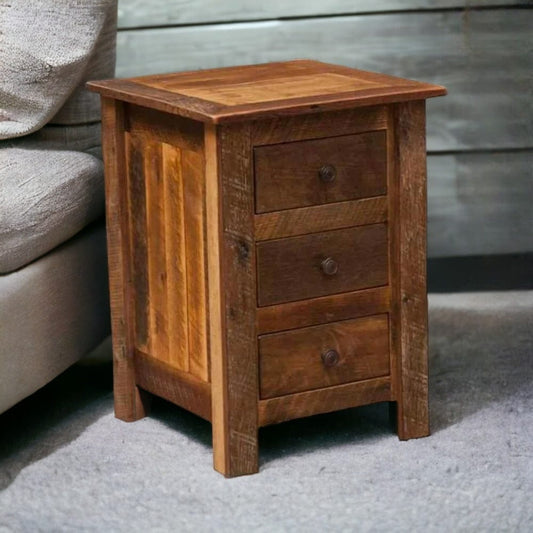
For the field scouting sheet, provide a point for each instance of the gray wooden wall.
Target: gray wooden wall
(480, 136)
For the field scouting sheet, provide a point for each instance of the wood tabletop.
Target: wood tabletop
(258, 91)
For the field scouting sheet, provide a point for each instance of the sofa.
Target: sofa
(53, 274)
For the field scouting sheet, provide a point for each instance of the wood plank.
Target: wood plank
(321, 310)
(129, 402)
(295, 268)
(172, 384)
(325, 355)
(320, 218)
(480, 204)
(326, 400)
(217, 321)
(409, 271)
(150, 124)
(234, 94)
(138, 13)
(320, 171)
(174, 216)
(472, 64)
(138, 254)
(316, 126)
(192, 170)
(234, 362)
(157, 265)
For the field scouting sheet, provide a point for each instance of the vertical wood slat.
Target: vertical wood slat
(178, 337)
(129, 401)
(410, 156)
(192, 170)
(234, 341)
(157, 271)
(138, 251)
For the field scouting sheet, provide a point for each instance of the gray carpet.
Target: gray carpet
(67, 465)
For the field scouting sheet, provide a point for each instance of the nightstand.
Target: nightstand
(267, 245)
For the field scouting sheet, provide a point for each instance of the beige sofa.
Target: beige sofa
(53, 277)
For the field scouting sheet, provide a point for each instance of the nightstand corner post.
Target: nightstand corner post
(232, 303)
(130, 401)
(410, 289)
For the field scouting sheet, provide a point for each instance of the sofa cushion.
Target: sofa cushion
(48, 49)
(46, 197)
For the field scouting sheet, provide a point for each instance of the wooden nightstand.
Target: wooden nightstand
(267, 245)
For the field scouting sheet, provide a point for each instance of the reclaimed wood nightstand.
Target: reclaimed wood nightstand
(267, 245)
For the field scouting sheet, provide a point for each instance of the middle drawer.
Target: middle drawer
(317, 264)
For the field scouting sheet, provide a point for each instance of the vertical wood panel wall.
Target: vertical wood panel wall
(480, 136)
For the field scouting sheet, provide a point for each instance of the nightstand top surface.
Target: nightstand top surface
(260, 91)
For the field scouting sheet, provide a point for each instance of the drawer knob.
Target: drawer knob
(327, 173)
(329, 266)
(330, 358)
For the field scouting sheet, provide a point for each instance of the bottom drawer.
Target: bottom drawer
(325, 355)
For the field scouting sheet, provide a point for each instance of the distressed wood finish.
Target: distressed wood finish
(130, 404)
(176, 386)
(291, 361)
(264, 91)
(321, 310)
(326, 400)
(314, 304)
(288, 175)
(409, 271)
(235, 376)
(319, 126)
(320, 218)
(291, 269)
(167, 198)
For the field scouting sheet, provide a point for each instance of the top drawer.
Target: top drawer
(320, 171)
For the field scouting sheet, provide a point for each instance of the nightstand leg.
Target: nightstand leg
(410, 282)
(129, 401)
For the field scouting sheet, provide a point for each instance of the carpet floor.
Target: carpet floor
(67, 465)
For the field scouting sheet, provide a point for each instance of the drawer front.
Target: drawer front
(314, 265)
(321, 356)
(305, 173)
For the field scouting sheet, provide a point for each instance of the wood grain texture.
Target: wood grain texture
(282, 408)
(248, 92)
(180, 388)
(137, 243)
(234, 377)
(194, 214)
(157, 304)
(152, 125)
(135, 13)
(291, 269)
(321, 310)
(317, 126)
(409, 271)
(288, 175)
(129, 401)
(472, 63)
(320, 218)
(176, 255)
(291, 361)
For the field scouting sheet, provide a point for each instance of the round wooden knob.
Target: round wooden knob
(329, 266)
(330, 358)
(327, 173)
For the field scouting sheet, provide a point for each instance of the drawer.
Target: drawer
(320, 171)
(321, 356)
(330, 262)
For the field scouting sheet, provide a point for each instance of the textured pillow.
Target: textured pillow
(48, 48)
(46, 197)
